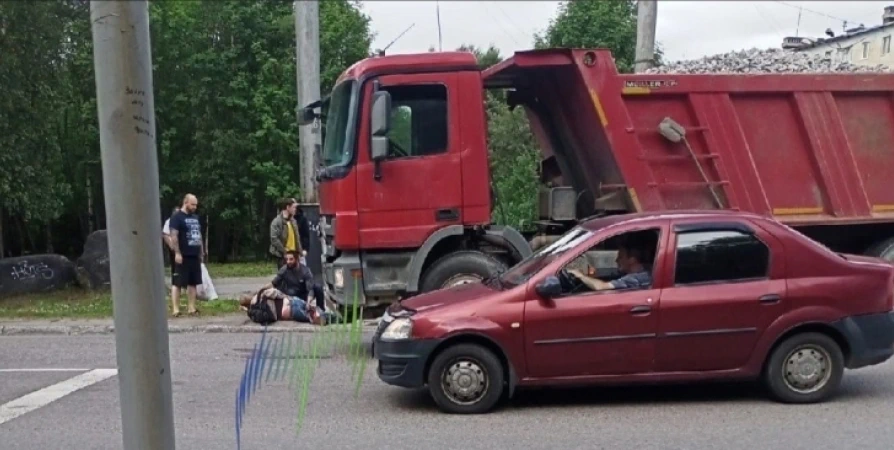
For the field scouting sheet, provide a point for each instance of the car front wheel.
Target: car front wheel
(805, 368)
(466, 379)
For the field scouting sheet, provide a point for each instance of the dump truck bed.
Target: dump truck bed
(806, 148)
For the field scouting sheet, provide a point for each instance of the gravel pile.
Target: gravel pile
(763, 61)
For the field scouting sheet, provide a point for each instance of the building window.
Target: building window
(886, 45)
(829, 54)
(865, 54)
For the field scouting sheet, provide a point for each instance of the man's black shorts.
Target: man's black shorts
(189, 273)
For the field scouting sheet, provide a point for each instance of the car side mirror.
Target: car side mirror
(549, 288)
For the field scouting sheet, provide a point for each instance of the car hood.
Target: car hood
(458, 294)
(865, 260)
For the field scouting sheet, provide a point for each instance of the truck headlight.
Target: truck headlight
(339, 275)
(398, 330)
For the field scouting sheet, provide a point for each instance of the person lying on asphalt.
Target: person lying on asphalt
(279, 306)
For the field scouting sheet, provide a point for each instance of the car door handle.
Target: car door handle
(641, 309)
(770, 299)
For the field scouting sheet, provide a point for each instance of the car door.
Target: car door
(594, 333)
(418, 187)
(725, 287)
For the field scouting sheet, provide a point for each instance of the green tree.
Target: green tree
(607, 24)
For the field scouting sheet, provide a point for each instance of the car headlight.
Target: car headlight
(339, 275)
(399, 329)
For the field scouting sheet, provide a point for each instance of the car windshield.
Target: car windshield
(336, 111)
(524, 270)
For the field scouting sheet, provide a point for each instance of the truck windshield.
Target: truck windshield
(524, 270)
(335, 115)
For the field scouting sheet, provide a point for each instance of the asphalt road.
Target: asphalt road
(207, 368)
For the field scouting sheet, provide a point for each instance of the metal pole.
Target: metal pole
(646, 21)
(307, 48)
(123, 62)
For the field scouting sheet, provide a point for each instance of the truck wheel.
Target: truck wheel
(805, 368)
(466, 379)
(460, 268)
(883, 250)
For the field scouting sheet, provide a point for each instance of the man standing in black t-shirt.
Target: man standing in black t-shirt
(186, 237)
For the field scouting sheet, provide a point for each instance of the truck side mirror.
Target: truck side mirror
(549, 288)
(380, 119)
(380, 124)
(306, 116)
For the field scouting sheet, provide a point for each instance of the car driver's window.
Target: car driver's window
(622, 262)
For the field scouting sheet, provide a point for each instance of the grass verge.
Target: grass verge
(78, 303)
(241, 270)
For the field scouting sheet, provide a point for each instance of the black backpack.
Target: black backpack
(260, 312)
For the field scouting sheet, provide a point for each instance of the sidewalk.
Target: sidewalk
(233, 288)
(233, 323)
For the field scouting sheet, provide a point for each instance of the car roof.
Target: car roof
(708, 215)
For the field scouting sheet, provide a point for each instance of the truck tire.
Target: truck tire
(459, 268)
(883, 250)
(466, 379)
(805, 368)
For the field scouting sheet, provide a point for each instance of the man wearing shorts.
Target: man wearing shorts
(189, 251)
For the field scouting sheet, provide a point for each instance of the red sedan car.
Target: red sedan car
(649, 298)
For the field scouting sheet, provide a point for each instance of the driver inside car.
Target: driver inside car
(630, 262)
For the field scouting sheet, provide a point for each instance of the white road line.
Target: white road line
(42, 370)
(49, 394)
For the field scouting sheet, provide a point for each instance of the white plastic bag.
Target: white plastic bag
(206, 291)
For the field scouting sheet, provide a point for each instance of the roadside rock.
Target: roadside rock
(93, 270)
(35, 273)
(758, 61)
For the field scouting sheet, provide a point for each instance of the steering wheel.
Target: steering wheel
(400, 150)
(568, 281)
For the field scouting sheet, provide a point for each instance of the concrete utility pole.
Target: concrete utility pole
(307, 34)
(123, 62)
(646, 20)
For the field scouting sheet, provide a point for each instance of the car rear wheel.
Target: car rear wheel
(805, 368)
(466, 379)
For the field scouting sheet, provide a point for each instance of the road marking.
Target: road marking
(49, 394)
(42, 370)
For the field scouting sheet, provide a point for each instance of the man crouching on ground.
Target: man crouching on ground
(296, 280)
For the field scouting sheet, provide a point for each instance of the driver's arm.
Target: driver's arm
(592, 283)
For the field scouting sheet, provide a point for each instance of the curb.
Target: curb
(74, 330)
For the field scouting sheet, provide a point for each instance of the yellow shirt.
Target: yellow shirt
(291, 242)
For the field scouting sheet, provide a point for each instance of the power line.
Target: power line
(490, 13)
(512, 22)
(817, 12)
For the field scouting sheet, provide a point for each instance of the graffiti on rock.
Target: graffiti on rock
(25, 271)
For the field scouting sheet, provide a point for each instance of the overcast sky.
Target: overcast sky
(686, 29)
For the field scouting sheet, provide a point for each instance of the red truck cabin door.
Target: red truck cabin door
(420, 188)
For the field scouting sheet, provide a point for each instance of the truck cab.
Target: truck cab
(405, 180)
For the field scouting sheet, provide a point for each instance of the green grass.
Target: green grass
(241, 269)
(77, 303)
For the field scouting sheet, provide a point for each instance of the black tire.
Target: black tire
(816, 346)
(469, 263)
(883, 250)
(478, 360)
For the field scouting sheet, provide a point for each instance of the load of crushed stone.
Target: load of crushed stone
(757, 61)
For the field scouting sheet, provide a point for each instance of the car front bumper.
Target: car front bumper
(870, 338)
(402, 363)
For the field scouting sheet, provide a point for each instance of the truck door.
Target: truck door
(420, 185)
(724, 288)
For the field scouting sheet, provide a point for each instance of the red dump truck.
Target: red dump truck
(405, 193)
